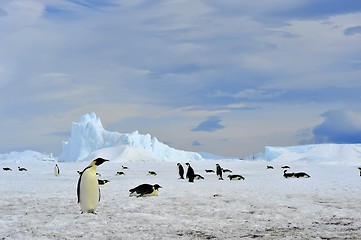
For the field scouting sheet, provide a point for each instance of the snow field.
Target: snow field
(38, 205)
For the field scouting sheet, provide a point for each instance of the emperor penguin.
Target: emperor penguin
(152, 173)
(21, 169)
(102, 182)
(219, 171)
(144, 190)
(88, 190)
(235, 177)
(190, 173)
(56, 170)
(181, 171)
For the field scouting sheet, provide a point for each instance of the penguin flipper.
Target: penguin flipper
(78, 189)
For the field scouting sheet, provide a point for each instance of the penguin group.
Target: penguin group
(21, 169)
(88, 187)
(191, 175)
(295, 174)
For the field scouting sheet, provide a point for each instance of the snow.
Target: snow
(89, 139)
(329, 153)
(36, 204)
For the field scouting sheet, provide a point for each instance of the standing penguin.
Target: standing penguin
(219, 171)
(88, 187)
(56, 170)
(180, 171)
(190, 173)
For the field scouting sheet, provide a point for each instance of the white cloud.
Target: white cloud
(174, 63)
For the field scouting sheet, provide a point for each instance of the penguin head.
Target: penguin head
(187, 164)
(98, 161)
(156, 186)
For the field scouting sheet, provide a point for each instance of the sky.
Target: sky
(225, 77)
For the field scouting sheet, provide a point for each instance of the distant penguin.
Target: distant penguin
(219, 171)
(235, 177)
(209, 171)
(226, 170)
(125, 167)
(88, 191)
(102, 182)
(301, 175)
(7, 169)
(56, 170)
(269, 167)
(119, 174)
(152, 173)
(199, 177)
(285, 167)
(180, 171)
(144, 190)
(359, 168)
(288, 174)
(21, 169)
(190, 173)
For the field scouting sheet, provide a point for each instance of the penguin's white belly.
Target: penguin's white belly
(56, 171)
(89, 192)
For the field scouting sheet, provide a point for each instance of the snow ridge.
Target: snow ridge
(331, 153)
(89, 139)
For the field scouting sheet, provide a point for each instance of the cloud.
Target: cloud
(196, 143)
(339, 126)
(179, 62)
(353, 30)
(210, 125)
(252, 94)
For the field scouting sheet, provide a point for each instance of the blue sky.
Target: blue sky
(226, 77)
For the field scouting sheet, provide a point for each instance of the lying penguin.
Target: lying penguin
(152, 173)
(235, 177)
(102, 182)
(144, 190)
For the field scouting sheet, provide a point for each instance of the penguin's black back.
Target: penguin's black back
(79, 180)
(190, 174)
(181, 171)
(219, 172)
(142, 189)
